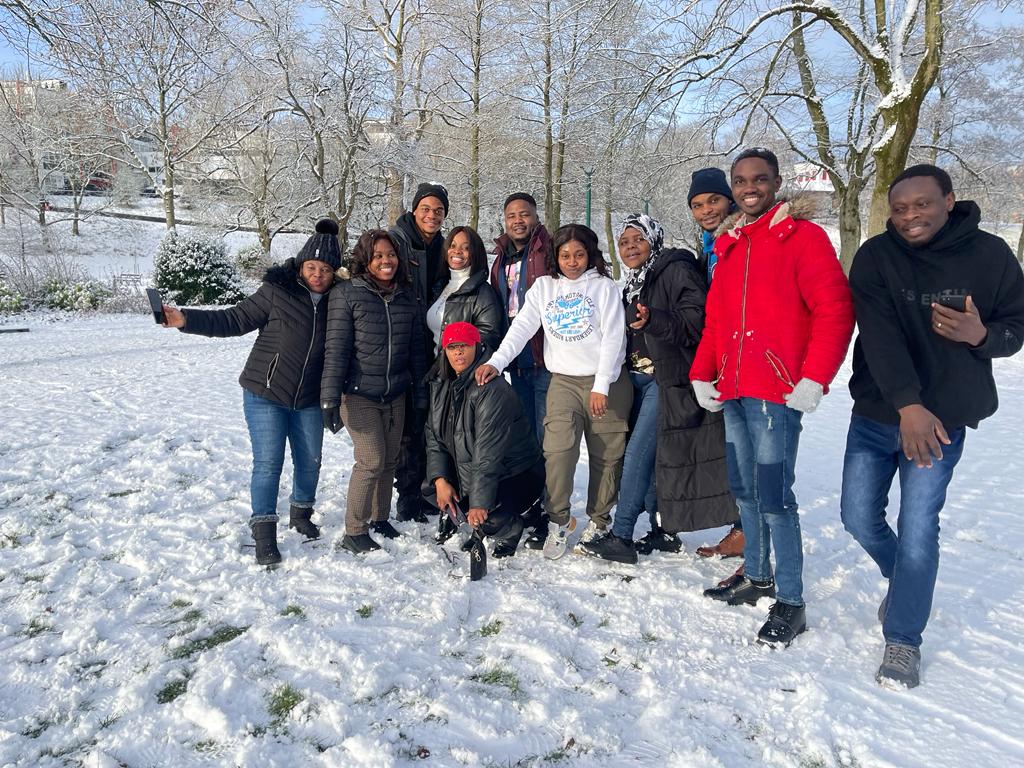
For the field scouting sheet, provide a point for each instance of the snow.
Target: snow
(124, 465)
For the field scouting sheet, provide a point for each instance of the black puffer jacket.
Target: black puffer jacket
(476, 302)
(287, 360)
(422, 259)
(690, 468)
(374, 344)
(478, 436)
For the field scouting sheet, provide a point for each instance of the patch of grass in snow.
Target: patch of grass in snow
(91, 669)
(365, 611)
(186, 481)
(812, 761)
(220, 636)
(206, 746)
(28, 577)
(293, 610)
(9, 540)
(122, 494)
(109, 720)
(648, 637)
(37, 627)
(282, 701)
(35, 731)
(504, 678)
(575, 620)
(174, 688)
(180, 603)
(491, 628)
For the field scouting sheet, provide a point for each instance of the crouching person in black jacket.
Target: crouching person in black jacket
(374, 355)
(281, 379)
(482, 455)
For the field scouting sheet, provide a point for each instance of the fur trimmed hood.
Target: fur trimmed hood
(800, 207)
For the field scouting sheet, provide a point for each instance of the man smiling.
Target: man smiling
(779, 320)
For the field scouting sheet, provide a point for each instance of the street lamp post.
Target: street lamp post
(589, 172)
(647, 206)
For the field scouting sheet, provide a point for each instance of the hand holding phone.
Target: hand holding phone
(956, 303)
(963, 326)
(156, 304)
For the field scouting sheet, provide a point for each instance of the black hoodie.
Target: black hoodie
(898, 360)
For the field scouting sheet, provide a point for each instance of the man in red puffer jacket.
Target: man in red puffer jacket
(779, 321)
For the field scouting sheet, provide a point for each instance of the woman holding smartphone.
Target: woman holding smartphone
(281, 379)
(579, 308)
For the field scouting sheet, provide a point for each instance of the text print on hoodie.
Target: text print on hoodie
(584, 327)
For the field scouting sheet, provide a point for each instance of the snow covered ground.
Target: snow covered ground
(135, 631)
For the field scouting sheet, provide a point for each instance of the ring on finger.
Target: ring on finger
(938, 325)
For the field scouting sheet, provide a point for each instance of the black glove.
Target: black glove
(332, 417)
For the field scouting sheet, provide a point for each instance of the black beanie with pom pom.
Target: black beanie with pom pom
(323, 246)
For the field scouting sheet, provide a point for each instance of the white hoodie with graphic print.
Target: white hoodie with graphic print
(584, 327)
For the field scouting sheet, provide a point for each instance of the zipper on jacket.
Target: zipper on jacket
(387, 372)
(272, 368)
(309, 351)
(743, 314)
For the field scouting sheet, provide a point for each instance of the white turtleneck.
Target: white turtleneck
(435, 315)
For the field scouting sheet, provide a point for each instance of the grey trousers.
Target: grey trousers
(376, 431)
(568, 420)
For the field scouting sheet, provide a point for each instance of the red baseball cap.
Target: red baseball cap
(459, 333)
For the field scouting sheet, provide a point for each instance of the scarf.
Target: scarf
(653, 234)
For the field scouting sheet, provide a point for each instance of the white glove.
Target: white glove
(805, 396)
(707, 396)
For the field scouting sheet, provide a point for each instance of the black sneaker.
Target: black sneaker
(359, 544)
(385, 529)
(610, 547)
(658, 540)
(739, 590)
(784, 623)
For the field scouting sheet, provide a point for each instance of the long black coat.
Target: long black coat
(690, 468)
(476, 302)
(374, 344)
(287, 360)
(477, 436)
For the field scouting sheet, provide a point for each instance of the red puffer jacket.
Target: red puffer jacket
(779, 309)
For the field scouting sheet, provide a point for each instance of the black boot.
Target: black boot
(298, 520)
(445, 529)
(359, 544)
(385, 529)
(537, 519)
(610, 547)
(784, 623)
(410, 509)
(658, 541)
(507, 540)
(739, 590)
(265, 536)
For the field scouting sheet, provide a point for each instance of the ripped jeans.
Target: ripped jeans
(761, 440)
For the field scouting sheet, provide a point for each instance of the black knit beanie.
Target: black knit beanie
(708, 180)
(323, 246)
(430, 190)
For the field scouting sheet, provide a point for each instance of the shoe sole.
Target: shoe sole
(579, 550)
(780, 643)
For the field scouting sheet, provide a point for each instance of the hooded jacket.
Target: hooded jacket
(690, 467)
(536, 266)
(583, 324)
(373, 345)
(477, 436)
(779, 308)
(898, 359)
(422, 259)
(287, 360)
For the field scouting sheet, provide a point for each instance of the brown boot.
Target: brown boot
(736, 578)
(730, 546)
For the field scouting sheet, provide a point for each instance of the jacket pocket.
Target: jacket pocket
(779, 367)
(272, 368)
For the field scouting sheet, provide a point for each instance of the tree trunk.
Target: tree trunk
(849, 226)
(474, 175)
(609, 234)
(76, 207)
(1020, 242)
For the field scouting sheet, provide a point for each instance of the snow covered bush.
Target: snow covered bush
(195, 269)
(252, 261)
(74, 296)
(10, 299)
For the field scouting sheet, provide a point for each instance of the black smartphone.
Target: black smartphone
(157, 304)
(959, 303)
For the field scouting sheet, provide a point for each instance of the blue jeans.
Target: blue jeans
(636, 490)
(909, 557)
(531, 385)
(270, 425)
(761, 440)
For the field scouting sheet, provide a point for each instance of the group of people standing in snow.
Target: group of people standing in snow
(689, 382)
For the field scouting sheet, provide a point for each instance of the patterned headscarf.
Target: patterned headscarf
(653, 234)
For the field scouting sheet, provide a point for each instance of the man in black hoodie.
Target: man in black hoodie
(421, 247)
(936, 300)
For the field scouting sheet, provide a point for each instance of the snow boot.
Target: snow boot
(784, 623)
(265, 536)
(446, 528)
(385, 529)
(359, 544)
(299, 520)
(901, 665)
(658, 540)
(739, 590)
(610, 547)
(507, 539)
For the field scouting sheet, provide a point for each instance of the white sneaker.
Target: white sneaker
(590, 533)
(554, 547)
